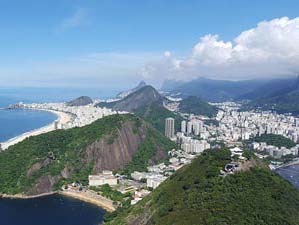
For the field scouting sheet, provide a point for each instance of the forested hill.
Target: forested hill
(81, 101)
(196, 194)
(43, 163)
(147, 103)
(275, 140)
(197, 106)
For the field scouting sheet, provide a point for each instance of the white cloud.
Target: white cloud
(77, 19)
(271, 49)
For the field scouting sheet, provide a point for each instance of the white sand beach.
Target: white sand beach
(63, 118)
(91, 197)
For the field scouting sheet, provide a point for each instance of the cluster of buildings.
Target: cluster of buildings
(235, 125)
(191, 145)
(274, 151)
(80, 115)
(187, 139)
(193, 126)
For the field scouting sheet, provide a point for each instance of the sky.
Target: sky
(117, 43)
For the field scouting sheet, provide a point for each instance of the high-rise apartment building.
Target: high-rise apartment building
(169, 127)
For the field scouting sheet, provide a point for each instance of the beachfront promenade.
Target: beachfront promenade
(68, 117)
(63, 118)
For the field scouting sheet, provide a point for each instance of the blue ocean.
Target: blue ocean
(16, 122)
(50, 210)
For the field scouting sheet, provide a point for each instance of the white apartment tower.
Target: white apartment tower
(189, 127)
(169, 127)
(183, 126)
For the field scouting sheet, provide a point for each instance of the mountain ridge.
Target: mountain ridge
(147, 103)
(43, 163)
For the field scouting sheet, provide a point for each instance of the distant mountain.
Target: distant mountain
(147, 103)
(197, 106)
(44, 163)
(280, 95)
(81, 101)
(213, 90)
(170, 85)
(196, 194)
(270, 89)
(126, 93)
(138, 99)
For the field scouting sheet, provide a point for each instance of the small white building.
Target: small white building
(236, 151)
(106, 177)
(138, 175)
(155, 180)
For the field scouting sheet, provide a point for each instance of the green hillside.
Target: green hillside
(196, 194)
(195, 105)
(155, 114)
(275, 140)
(147, 103)
(50, 155)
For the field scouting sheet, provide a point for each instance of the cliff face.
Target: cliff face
(48, 161)
(111, 153)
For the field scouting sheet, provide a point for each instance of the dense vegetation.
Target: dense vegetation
(275, 140)
(155, 114)
(106, 191)
(147, 151)
(196, 194)
(197, 106)
(51, 153)
(62, 148)
(147, 103)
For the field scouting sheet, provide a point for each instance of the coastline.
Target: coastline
(292, 163)
(62, 117)
(22, 196)
(99, 201)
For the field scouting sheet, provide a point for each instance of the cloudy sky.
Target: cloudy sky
(82, 43)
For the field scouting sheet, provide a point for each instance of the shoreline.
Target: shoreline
(292, 163)
(100, 201)
(22, 196)
(62, 117)
(287, 165)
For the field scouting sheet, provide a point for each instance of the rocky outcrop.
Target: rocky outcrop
(111, 152)
(112, 156)
(43, 163)
(37, 166)
(45, 184)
